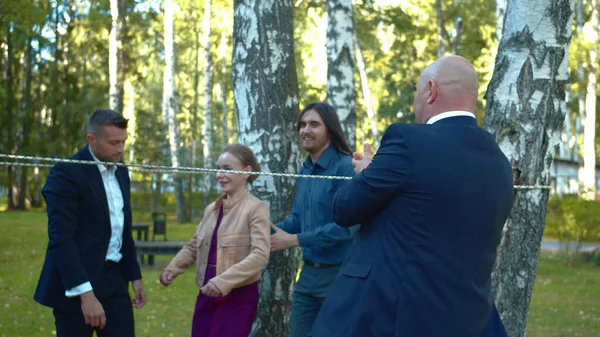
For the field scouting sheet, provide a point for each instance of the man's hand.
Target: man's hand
(92, 310)
(140, 294)
(166, 277)
(211, 290)
(360, 161)
(282, 240)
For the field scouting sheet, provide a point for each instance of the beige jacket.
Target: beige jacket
(243, 243)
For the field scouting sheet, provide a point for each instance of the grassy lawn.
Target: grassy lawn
(565, 300)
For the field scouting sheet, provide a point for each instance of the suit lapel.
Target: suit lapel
(95, 180)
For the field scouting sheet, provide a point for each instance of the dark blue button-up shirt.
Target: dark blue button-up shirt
(321, 239)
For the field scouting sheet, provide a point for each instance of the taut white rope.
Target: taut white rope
(182, 169)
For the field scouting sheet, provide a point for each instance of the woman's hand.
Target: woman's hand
(211, 290)
(166, 277)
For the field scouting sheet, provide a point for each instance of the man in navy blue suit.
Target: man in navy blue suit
(91, 257)
(432, 204)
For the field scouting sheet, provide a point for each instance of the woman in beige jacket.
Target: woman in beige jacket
(231, 247)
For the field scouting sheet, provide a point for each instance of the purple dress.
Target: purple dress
(228, 316)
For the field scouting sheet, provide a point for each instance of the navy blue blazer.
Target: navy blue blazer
(432, 206)
(79, 232)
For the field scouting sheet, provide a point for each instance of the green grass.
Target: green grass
(22, 247)
(566, 300)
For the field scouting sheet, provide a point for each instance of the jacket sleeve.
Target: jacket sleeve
(184, 258)
(258, 258)
(187, 254)
(131, 267)
(388, 174)
(60, 193)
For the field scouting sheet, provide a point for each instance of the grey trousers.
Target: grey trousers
(310, 293)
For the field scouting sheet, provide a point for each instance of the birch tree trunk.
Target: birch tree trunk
(113, 56)
(341, 93)
(27, 122)
(265, 87)
(10, 119)
(440, 28)
(224, 89)
(525, 111)
(581, 77)
(500, 11)
(589, 124)
(194, 122)
(169, 106)
(364, 84)
(36, 198)
(208, 103)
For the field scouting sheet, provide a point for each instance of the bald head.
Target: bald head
(450, 83)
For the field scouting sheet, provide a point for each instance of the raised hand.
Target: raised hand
(360, 161)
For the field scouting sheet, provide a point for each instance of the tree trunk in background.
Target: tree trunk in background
(36, 197)
(525, 111)
(589, 124)
(456, 32)
(224, 89)
(10, 120)
(208, 103)
(341, 92)
(364, 84)
(27, 123)
(440, 28)
(265, 87)
(113, 57)
(500, 11)
(192, 178)
(169, 107)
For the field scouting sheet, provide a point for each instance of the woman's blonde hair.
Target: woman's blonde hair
(246, 156)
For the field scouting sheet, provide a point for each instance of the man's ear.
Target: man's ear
(433, 91)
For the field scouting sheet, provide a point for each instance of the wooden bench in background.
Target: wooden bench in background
(152, 248)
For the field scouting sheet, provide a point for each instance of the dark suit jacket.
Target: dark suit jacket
(432, 206)
(79, 232)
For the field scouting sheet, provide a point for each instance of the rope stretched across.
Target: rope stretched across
(181, 169)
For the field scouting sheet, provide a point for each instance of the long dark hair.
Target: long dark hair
(332, 123)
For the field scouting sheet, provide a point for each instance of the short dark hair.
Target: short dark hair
(105, 117)
(332, 123)
(246, 156)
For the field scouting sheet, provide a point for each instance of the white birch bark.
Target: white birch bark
(589, 124)
(265, 87)
(364, 84)
(169, 106)
(341, 92)
(440, 28)
(208, 103)
(500, 11)
(113, 57)
(525, 111)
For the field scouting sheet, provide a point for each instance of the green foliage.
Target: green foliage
(573, 219)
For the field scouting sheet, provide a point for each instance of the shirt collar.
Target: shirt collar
(324, 159)
(102, 167)
(449, 114)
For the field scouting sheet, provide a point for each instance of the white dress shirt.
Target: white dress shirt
(449, 114)
(114, 196)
